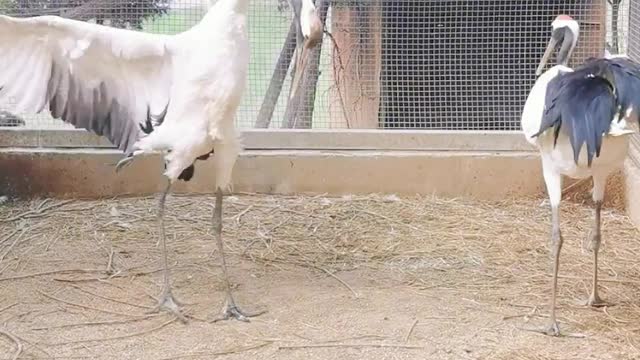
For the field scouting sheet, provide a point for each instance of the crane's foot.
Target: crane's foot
(124, 162)
(167, 302)
(552, 329)
(594, 300)
(232, 311)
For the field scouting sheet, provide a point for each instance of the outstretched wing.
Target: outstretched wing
(95, 77)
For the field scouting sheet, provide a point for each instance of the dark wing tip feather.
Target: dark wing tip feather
(551, 115)
(582, 105)
(96, 109)
(147, 127)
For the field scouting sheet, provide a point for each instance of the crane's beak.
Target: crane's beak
(563, 35)
(553, 42)
(309, 34)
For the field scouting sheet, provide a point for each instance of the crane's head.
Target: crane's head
(565, 31)
(309, 31)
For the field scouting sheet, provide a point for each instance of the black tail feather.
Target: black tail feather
(188, 173)
(582, 105)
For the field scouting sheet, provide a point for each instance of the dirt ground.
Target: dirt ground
(375, 277)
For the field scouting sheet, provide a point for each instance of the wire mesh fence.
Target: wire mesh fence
(471, 64)
(387, 64)
(633, 38)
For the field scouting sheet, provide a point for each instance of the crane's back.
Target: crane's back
(209, 72)
(211, 63)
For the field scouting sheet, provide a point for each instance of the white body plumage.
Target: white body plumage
(208, 89)
(559, 159)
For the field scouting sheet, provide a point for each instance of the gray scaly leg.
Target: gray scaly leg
(230, 310)
(593, 240)
(166, 300)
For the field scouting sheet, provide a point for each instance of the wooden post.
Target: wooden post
(277, 80)
(357, 62)
(299, 112)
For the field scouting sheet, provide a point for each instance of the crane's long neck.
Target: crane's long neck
(567, 47)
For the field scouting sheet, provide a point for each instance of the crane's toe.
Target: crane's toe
(594, 300)
(552, 329)
(232, 311)
(123, 162)
(169, 303)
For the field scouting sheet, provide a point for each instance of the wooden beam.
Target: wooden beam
(357, 64)
(277, 80)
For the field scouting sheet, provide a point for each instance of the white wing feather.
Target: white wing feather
(95, 77)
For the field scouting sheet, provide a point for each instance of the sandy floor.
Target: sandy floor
(340, 278)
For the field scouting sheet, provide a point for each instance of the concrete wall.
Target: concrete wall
(89, 173)
(632, 181)
(632, 165)
(488, 165)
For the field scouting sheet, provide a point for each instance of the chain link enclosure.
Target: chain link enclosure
(386, 64)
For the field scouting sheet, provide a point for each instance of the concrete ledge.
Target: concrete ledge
(294, 139)
(90, 173)
(632, 193)
(632, 181)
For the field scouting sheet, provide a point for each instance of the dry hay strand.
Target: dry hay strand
(580, 191)
(335, 233)
(496, 251)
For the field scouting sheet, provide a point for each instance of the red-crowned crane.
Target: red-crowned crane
(170, 94)
(579, 120)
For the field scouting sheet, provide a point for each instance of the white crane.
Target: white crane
(146, 93)
(579, 120)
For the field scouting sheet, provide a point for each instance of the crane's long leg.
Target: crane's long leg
(166, 300)
(230, 310)
(556, 241)
(553, 181)
(593, 239)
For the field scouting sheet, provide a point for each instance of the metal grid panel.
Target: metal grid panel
(440, 64)
(634, 30)
(618, 21)
(470, 64)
